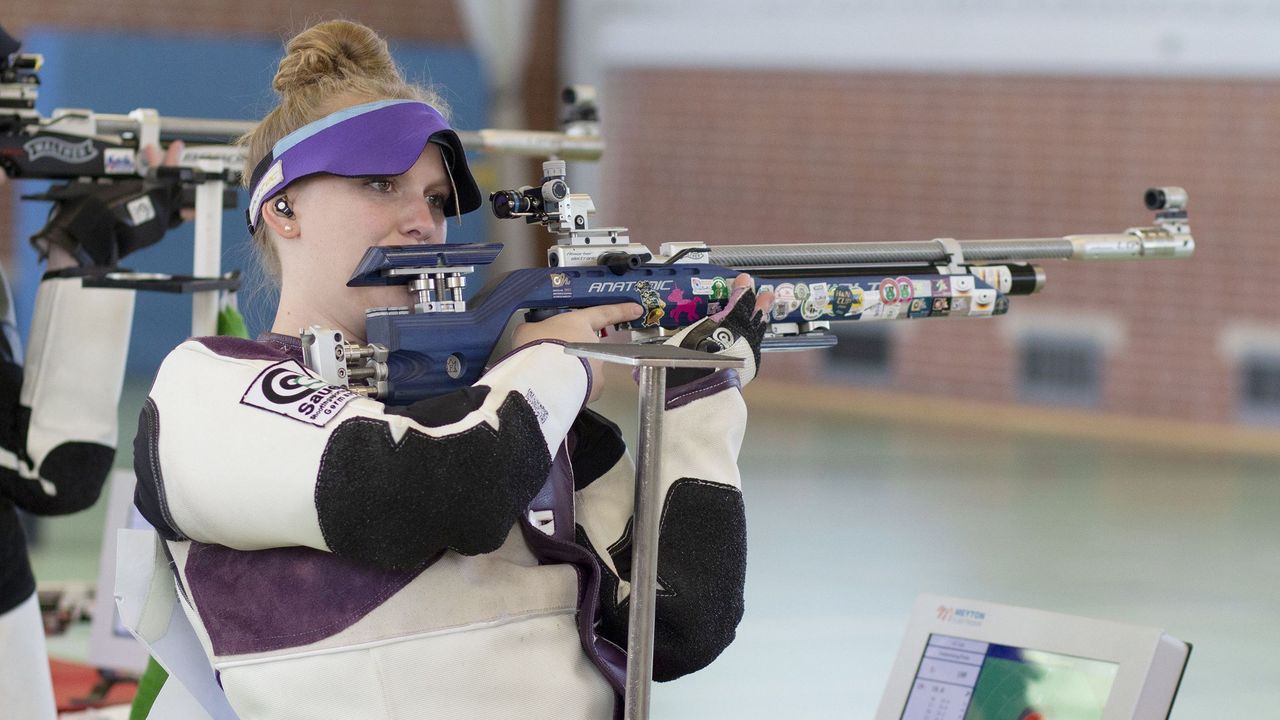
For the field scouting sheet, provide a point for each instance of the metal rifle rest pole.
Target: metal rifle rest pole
(651, 360)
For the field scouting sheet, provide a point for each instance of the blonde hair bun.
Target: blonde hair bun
(334, 52)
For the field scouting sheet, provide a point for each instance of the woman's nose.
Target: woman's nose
(422, 223)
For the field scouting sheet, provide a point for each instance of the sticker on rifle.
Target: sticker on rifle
(288, 389)
(119, 161)
(919, 308)
(942, 287)
(810, 310)
(888, 291)
(941, 307)
(686, 308)
(886, 312)
(983, 301)
(654, 307)
(842, 300)
(802, 292)
(784, 301)
(560, 287)
(997, 276)
(719, 289)
(716, 288)
(960, 305)
(961, 285)
(920, 288)
(818, 291)
(906, 290)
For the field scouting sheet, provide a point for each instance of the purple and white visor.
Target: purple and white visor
(383, 138)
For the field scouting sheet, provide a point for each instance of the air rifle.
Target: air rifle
(439, 341)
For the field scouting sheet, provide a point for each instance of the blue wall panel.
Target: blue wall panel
(195, 77)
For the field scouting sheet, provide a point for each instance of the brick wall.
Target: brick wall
(747, 156)
(427, 20)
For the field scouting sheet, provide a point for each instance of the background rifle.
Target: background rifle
(82, 147)
(80, 144)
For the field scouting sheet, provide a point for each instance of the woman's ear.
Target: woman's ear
(279, 216)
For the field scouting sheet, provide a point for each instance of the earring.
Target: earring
(288, 228)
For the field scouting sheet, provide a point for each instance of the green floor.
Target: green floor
(850, 519)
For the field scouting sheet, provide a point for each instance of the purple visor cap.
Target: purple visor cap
(373, 139)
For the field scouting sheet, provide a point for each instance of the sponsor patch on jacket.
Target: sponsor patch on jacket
(288, 389)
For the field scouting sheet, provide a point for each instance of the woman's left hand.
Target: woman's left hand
(737, 330)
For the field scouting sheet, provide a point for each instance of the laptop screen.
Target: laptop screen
(960, 679)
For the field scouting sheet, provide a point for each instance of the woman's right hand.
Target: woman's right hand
(580, 326)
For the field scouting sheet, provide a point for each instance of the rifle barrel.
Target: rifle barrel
(1133, 244)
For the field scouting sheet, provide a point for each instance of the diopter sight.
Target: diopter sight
(1165, 198)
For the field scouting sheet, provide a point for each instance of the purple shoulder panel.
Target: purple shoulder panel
(242, 349)
(702, 387)
(263, 600)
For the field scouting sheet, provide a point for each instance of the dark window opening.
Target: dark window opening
(1260, 388)
(863, 352)
(1060, 370)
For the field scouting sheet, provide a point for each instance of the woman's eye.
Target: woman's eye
(382, 186)
(436, 200)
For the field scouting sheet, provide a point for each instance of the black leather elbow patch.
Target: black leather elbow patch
(78, 470)
(702, 568)
(397, 505)
(11, 437)
(148, 492)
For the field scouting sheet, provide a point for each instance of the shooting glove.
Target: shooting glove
(100, 223)
(736, 331)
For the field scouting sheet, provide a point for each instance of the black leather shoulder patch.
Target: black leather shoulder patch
(445, 409)
(396, 504)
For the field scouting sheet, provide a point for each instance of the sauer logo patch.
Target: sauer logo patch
(288, 389)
